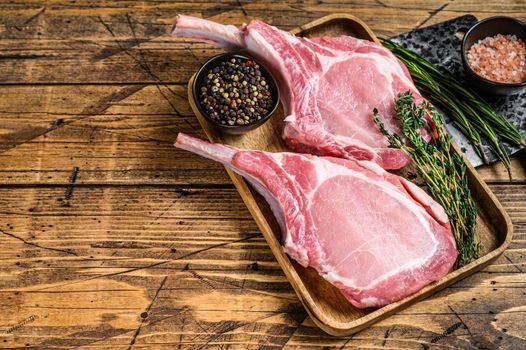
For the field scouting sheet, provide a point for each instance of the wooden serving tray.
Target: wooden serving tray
(324, 303)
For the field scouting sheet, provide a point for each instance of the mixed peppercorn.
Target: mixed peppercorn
(235, 93)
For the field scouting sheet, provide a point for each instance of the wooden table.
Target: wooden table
(110, 238)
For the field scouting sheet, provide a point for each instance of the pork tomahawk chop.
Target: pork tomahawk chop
(374, 235)
(329, 86)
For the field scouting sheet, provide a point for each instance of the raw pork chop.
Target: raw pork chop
(374, 235)
(329, 86)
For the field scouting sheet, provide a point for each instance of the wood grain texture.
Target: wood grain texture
(114, 134)
(106, 41)
(150, 247)
(104, 254)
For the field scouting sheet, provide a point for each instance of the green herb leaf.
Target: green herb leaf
(442, 169)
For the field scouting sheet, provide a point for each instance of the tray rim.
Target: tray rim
(331, 326)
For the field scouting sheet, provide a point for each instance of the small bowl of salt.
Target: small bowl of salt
(494, 55)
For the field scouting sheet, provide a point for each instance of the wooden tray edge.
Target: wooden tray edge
(318, 317)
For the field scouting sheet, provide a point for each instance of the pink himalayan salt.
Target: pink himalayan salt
(500, 58)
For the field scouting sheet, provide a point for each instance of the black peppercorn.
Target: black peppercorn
(235, 92)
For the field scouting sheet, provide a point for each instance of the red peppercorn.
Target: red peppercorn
(248, 63)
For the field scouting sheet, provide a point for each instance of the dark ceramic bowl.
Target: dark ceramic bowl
(491, 27)
(234, 129)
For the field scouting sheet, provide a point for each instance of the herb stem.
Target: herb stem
(470, 113)
(441, 168)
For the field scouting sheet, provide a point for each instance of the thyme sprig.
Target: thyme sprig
(442, 170)
(470, 113)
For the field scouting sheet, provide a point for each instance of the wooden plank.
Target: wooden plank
(498, 173)
(103, 43)
(82, 274)
(114, 134)
(121, 250)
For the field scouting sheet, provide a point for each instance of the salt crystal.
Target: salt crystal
(501, 58)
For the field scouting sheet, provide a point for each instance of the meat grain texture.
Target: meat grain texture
(373, 234)
(329, 86)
